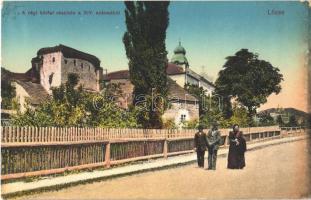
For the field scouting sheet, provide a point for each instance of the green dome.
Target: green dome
(179, 56)
(179, 59)
(180, 49)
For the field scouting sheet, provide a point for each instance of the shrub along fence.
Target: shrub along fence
(36, 151)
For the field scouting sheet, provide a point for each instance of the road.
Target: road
(279, 171)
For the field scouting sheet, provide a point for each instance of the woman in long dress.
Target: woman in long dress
(237, 148)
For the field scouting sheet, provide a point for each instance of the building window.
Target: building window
(53, 59)
(51, 78)
(89, 68)
(37, 66)
(182, 118)
(74, 62)
(81, 65)
(65, 61)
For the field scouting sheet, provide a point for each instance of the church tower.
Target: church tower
(179, 57)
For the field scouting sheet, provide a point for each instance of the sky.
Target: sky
(209, 31)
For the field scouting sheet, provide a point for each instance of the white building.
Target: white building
(179, 70)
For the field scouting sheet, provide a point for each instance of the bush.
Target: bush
(75, 107)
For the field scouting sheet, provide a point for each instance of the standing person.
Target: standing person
(213, 142)
(200, 145)
(241, 149)
(237, 148)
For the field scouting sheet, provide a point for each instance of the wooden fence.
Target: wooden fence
(36, 151)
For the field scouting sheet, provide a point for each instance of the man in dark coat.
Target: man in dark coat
(237, 148)
(200, 145)
(213, 142)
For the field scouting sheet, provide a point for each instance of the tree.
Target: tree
(74, 107)
(279, 120)
(247, 80)
(240, 116)
(7, 94)
(265, 119)
(209, 108)
(292, 121)
(199, 93)
(144, 43)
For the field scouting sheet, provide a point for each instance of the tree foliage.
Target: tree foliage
(199, 93)
(265, 119)
(279, 120)
(292, 121)
(248, 80)
(144, 42)
(211, 109)
(71, 106)
(7, 94)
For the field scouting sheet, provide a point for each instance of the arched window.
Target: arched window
(74, 62)
(53, 59)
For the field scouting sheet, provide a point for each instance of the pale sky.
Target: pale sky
(209, 31)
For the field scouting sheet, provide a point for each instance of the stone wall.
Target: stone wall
(88, 75)
(50, 72)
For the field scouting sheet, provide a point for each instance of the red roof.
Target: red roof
(174, 69)
(124, 74)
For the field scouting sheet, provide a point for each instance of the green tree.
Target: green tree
(240, 116)
(199, 93)
(279, 120)
(209, 108)
(292, 121)
(7, 94)
(248, 80)
(71, 106)
(265, 119)
(144, 43)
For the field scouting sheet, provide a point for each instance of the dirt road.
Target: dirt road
(280, 171)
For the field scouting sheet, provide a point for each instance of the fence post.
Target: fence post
(165, 148)
(107, 155)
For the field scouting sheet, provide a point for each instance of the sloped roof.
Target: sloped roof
(199, 77)
(36, 92)
(174, 90)
(13, 76)
(177, 92)
(122, 74)
(174, 69)
(171, 69)
(69, 52)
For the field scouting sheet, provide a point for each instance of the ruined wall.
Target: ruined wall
(88, 75)
(50, 72)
